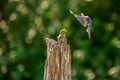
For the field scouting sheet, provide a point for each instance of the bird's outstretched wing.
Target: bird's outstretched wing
(85, 21)
(81, 19)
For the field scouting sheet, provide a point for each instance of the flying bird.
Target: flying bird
(85, 21)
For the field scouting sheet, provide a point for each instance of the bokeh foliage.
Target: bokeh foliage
(24, 24)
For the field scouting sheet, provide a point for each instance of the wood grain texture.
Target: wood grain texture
(58, 62)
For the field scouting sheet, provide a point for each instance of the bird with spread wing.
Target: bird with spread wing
(85, 21)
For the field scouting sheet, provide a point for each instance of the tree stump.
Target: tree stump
(58, 62)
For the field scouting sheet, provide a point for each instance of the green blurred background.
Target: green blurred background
(24, 24)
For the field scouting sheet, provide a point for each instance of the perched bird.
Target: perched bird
(85, 21)
(61, 38)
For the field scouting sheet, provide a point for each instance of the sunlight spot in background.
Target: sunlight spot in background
(9, 37)
(116, 42)
(89, 74)
(31, 35)
(3, 69)
(74, 72)
(28, 40)
(13, 0)
(1, 51)
(38, 21)
(21, 67)
(109, 26)
(79, 54)
(6, 29)
(114, 71)
(13, 17)
(51, 30)
(12, 55)
(53, 27)
(74, 5)
(115, 16)
(31, 1)
(22, 8)
(16, 75)
(11, 40)
(66, 22)
(40, 30)
(4, 26)
(89, 0)
(39, 10)
(44, 5)
(50, 15)
(55, 9)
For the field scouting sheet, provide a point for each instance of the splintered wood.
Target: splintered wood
(58, 62)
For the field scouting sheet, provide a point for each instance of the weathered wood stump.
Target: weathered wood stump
(58, 62)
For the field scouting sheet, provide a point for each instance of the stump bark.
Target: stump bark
(58, 62)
